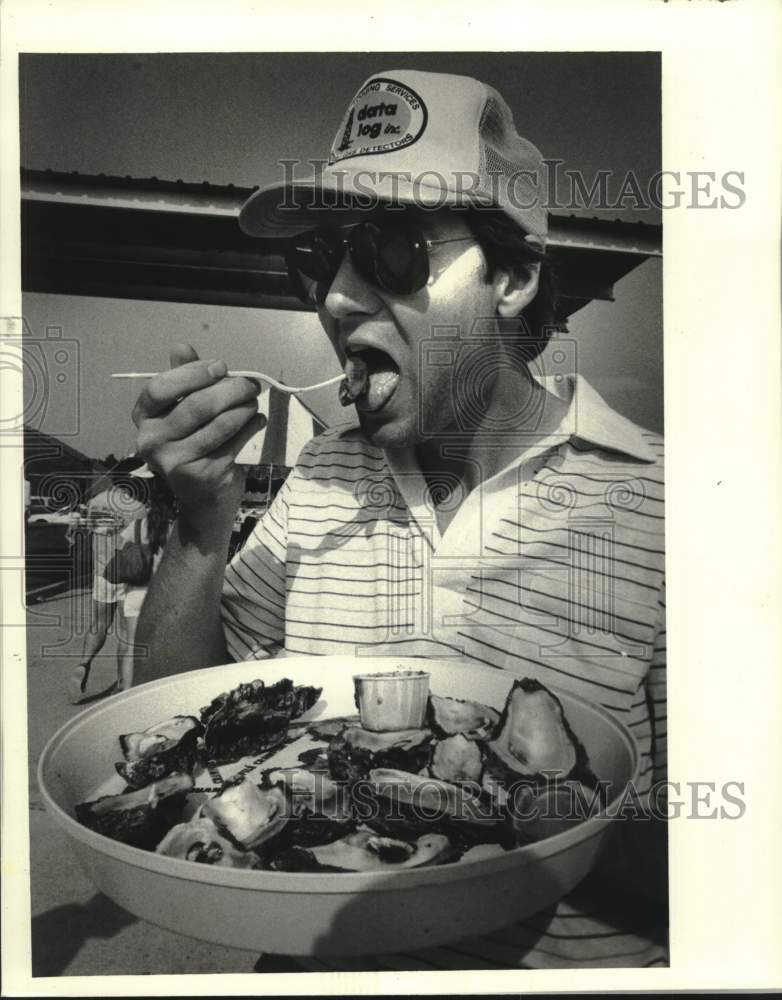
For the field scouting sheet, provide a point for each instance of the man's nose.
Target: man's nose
(349, 293)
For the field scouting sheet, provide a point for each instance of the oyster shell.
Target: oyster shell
(248, 814)
(327, 729)
(314, 828)
(200, 841)
(356, 751)
(457, 760)
(160, 750)
(365, 851)
(400, 803)
(492, 787)
(320, 806)
(312, 792)
(315, 759)
(253, 718)
(449, 716)
(141, 817)
(535, 741)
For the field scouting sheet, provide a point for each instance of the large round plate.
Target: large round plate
(322, 913)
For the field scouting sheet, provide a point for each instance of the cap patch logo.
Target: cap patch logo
(384, 116)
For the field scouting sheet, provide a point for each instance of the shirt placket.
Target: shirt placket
(451, 560)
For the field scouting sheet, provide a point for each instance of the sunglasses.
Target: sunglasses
(389, 256)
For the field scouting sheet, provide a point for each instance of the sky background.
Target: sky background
(229, 118)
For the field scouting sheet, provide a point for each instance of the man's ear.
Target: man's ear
(515, 289)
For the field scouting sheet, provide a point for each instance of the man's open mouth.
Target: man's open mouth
(371, 378)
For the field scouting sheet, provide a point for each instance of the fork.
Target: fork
(258, 376)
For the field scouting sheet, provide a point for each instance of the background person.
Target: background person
(150, 530)
(121, 603)
(108, 511)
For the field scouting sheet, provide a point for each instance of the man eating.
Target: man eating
(489, 505)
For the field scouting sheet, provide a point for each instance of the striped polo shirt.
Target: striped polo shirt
(553, 567)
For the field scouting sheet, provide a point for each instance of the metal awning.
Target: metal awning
(179, 242)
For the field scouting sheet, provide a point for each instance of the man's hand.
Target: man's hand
(192, 422)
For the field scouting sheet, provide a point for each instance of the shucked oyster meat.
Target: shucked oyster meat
(534, 740)
(371, 377)
(449, 716)
(248, 814)
(355, 751)
(457, 759)
(139, 818)
(326, 729)
(365, 851)
(397, 802)
(355, 381)
(201, 841)
(160, 750)
(311, 792)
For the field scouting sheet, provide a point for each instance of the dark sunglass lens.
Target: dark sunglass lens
(403, 262)
(312, 260)
(363, 250)
(390, 257)
(317, 255)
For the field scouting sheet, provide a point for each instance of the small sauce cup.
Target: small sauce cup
(389, 702)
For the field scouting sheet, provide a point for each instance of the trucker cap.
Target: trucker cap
(429, 139)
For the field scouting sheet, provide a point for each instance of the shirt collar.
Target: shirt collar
(590, 419)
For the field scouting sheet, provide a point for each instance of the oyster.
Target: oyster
(248, 814)
(356, 751)
(160, 750)
(253, 718)
(355, 381)
(401, 803)
(492, 787)
(365, 851)
(449, 716)
(312, 792)
(456, 759)
(534, 741)
(200, 841)
(315, 759)
(319, 806)
(327, 729)
(314, 828)
(140, 818)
